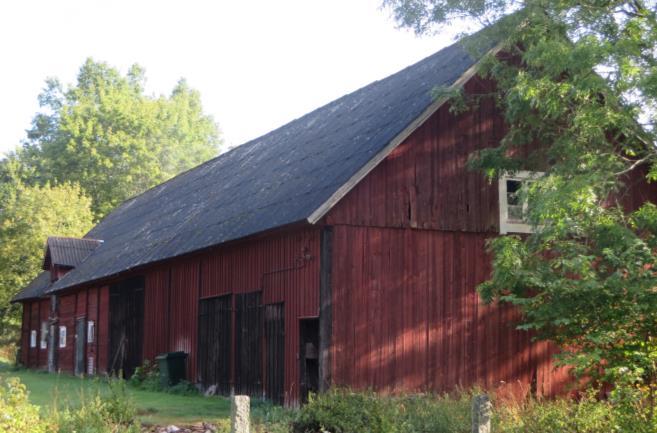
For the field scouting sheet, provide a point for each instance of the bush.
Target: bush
(343, 411)
(111, 413)
(17, 415)
(147, 377)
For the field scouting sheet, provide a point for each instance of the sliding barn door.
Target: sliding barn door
(214, 343)
(248, 344)
(275, 352)
(126, 326)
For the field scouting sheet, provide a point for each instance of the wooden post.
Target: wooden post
(325, 308)
(481, 414)
(240, 414)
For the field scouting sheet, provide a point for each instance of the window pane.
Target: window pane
(513, 188)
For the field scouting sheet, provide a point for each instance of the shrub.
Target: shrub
(184, 387)
(147, 377)
(111, 413)
(17, 415)
(343, 411)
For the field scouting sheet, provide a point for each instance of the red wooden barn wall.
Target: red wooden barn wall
(34, 312)
(408, 318)
(92, 304)
(25, 333)
(424, 183)
(272, 264)
(408, 253)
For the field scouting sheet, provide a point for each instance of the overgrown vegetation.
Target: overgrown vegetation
(112, 412)
(147, 377)
(343, 411)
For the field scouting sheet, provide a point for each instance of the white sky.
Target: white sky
(257, 64)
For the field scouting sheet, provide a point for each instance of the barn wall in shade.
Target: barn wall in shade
(284, 266)
(35, 312)
(88, 303)
(407, 316)
(66, 317)
(25, 333)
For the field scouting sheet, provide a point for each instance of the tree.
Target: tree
(577, 84)
(28, 215)
(105, 134)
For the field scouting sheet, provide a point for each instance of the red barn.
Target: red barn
(343, 248)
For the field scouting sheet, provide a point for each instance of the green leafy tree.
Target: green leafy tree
(28, 215)
(105, 134)
(577, 84)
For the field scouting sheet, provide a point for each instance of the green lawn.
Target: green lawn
(47, 390)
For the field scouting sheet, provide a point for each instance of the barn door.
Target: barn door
(275, 352)
(214, 343)
(80, 345)
(248, 344)
(126, 326)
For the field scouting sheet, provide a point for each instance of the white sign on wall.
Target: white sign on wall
(62, 336)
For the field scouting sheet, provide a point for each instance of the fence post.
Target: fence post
(240, 414)
(481, 414)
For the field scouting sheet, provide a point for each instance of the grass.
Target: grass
(158, 408)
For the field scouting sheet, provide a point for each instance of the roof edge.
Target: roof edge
(325, 207)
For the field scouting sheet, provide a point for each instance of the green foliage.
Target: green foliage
(113, 412)
(28, 215)
(344, 411)
(17, 415)
(576, 82)
(146, 377)
(111, 138)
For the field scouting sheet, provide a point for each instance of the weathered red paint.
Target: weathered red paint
(407, 316)
(285, 266)
(407, 254)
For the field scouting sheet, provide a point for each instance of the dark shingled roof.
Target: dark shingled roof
(35, 289)
(67, 251)
(275, 180)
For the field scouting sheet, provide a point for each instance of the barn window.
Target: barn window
(44, 335)
(91, 331)
(513, 201)
(33, 338)
(62, 336)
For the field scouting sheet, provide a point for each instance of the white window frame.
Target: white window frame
(511, 226)
(91, 331)
(33, 338)
(44, 335)
(62, 337)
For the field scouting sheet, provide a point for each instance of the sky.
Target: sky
(257, 64)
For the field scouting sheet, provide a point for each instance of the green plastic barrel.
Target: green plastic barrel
(172, 367)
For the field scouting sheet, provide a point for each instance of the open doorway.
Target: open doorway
(126, 325)
(309, 356)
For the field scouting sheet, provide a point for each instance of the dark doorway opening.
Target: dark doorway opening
(126, 326)
(80, 345)
(248, 344)
(275, 352)
(214, 343)
(309, 356)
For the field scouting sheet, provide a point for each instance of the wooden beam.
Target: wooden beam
(325, 308)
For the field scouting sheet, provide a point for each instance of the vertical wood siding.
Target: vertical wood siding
(424, 183)
(25, 334)
(66, 317)
(44, 315)
(274, 264)
(407, 316)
